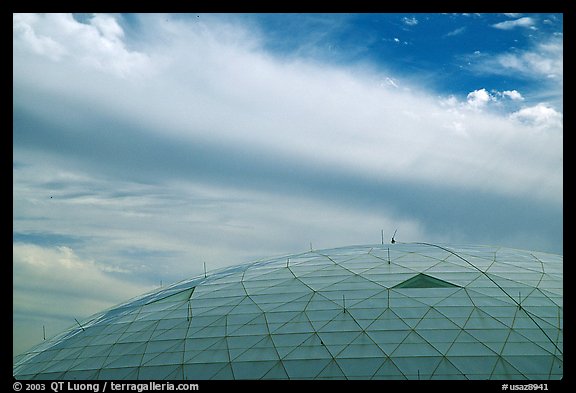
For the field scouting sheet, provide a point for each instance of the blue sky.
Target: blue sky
(147, 145)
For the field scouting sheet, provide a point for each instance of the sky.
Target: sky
(146, 147)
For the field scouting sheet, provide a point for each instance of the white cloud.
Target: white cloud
(543, 64)
(288, 107)
(410, 21)
(540, 115)
(478, 99)
(52, 286)
(548, 62)
(108, 28)
(55, 270)
(456, 32)
(545, 59)
(25, 36)
(514, 95)
(391, 82)
(96, 44)
(526, 21)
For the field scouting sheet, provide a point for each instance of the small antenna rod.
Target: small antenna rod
(79, 325)
(44, 331)
(394, 241)
(204, 269)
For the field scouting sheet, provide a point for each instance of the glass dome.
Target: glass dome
(391, 311)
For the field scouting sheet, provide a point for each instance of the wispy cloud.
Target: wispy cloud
(410, 21)
(456, 32)
(544, 62)
(354, 115)
(526, 22)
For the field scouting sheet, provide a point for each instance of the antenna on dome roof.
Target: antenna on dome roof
(382, 234)
(388, 255)
(44, 331)
(204, 269)
(79, 325)
(392, 240)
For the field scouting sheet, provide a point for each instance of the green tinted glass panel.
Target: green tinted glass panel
(425, 281)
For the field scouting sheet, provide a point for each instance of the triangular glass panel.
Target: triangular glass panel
(178, 297)
(440, 339)
(414, 345)
(207, 356)
(128, 348)
(557, 367)
(90, 363)
(252, 369)
(331, 371)
(504, 370)
(388, 370)
(176, 374)
(224, 374)
(123, 361)
(421, 368)
(361, 367)
(81, 374)
(262, 350)
(388, 321)
(472, 366)
(156, 372)
(422, 280)
(309, 352)
(447, 370)
(524, 348)
(531, 365)
(305, 368)
(203, 370)
(119, 373)
(276, 372)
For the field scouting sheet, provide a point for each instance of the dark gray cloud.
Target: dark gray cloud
(151, 158)
(45, 239)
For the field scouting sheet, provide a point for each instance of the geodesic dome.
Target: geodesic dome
(398, 311)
